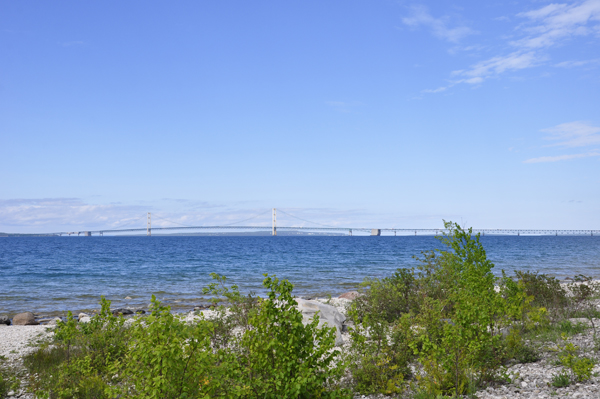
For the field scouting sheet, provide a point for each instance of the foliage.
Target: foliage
(580, 367)
(77, 363)
(380, 354)
(546, 292)
(452, 317)
(235, 315)
(8, 378)
(525, 354)
(167, 358)
(561, 380)
(389, 298)
(269, 353)
(282, 357)
(460, 338)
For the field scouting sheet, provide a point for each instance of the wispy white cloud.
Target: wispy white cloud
(573, 134)
(570, 135)
(517, 60)
(575, 64)
(438, 90)
(556, 22)
(542, 29)
(439, 27)
(561, 157)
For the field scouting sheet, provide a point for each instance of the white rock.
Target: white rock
(54, 321)
(84, 319)
(328, 315)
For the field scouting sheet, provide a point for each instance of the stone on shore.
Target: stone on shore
(351, 295)
(54, 321)
(84, 318)
(328, 315)
(4, 320)
(122, 311)
(24, 319)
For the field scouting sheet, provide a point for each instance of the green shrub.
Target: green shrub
(280, 356)
(268, 353)
(567, 327)
(379, 355)
(167, 358)
(452, 319)
(526, 354)
(77, 363)
(561, 380)
(4, 378)
(546, 292)
(580, 367)
(389, 298)
(459, 337)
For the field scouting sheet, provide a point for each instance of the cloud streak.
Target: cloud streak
(561, 157)
(420, 16)
(574, 134)
(542, 29)
(570, 135)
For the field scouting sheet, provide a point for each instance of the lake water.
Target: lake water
(55, 274)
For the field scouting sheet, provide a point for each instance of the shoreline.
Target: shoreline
(183, 306)
(527, 380)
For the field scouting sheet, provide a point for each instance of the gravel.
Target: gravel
(17, 341)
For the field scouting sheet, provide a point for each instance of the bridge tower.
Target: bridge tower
(274, 221)
(149, 226)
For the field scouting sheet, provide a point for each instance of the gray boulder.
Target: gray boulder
(351, 295)
(328, 315)
(4, 320)
(54, 321)
(24, 319)
(122, 311)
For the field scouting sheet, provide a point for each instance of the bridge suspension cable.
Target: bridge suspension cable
(253, 217)
(304, 220)
(133, 221)
(170, 221)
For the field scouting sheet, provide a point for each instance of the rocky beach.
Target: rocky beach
(533, 380)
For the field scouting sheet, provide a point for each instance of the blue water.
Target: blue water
(54, 274)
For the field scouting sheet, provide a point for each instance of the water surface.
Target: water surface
(48, 274)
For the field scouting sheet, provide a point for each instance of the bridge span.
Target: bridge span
(274, 228)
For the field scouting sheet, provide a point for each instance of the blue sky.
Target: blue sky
(348, 113)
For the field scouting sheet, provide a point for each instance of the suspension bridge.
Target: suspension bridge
(313, 227)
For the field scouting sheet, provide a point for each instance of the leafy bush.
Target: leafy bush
(526, 354)
(460, 338)
(380, 354)
(4, 378)
(561, 380)
(269, 353)
(167, 358)
(389, 298)
(546, 292)
(77, 363)
(451, 316)
(280, 356)
(580, 367)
